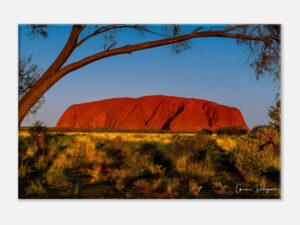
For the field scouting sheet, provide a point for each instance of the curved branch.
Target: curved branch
(68, 48)
(34, 94)
(162, 42)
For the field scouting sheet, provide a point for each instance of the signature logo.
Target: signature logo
(255, 189)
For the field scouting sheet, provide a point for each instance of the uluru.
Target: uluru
(152, 112)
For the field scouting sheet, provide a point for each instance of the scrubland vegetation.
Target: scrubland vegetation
(149, 165)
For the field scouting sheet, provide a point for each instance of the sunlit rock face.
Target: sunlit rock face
(152, 112)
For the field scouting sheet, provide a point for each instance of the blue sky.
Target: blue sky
(215, 69)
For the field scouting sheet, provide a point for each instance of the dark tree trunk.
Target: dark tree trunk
(50, 77)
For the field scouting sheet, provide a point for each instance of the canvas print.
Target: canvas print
(142, 111)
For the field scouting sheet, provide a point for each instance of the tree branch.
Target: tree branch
(162, 42)
(33, 95)
(112, 27)
(68, 48)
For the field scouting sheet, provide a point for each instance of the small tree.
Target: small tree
(274, 114)
(38, 132)
(29, 73)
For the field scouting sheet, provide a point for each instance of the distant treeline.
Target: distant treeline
(71, 129)
(225, 130)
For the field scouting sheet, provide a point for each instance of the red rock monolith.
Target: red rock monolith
(152, 112)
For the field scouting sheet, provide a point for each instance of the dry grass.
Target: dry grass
(203, 169)
(226, 143)
(120, 164)
(194, 188)
(128, 136)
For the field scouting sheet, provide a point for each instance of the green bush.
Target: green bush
(234, 130)
(259, 128)
(158, 156)
(267, 136)
(189, 144)
(251, 162)
(183, 189)
(24, 143)
(116, 156)
(39, 134)
(205, 132)
(162, 187)
(213, 153)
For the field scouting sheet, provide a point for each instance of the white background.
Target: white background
(14, 211)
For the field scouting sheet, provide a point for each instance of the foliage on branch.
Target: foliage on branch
(29, 73)
(264, 56)
(275, 114)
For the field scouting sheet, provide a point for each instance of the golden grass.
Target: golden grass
(172, 185)
(127, 136)
(194, 188)
(225, 142)
(185, 165)
(117, 158)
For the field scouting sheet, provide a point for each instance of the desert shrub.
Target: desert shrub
(142, 184)
(120, 184)
(263, 132)
(157, 170)
(205, 132)
(35, 188)
(189, 144)
(24, 143)
(172, 186)
(189, 167)
(219, 187)
(56, 178)
(194, 188)
(116, 156)
(234, 130)
(67, 154)
(211, 151)
(251, 162)
(32, 163)
(213, 154)
(183, 189)
(275, 115)
(80, 174)
(59, 143)
(259, 128)
(135, 163)
(267, 136)
(158, 156)
(26, 150)
(147, 146)
(199, 159)
(39, 134)
(248, 163)
(162, 187)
